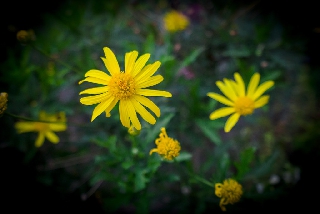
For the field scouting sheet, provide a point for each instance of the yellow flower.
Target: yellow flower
(239, 101)
(128, 87)
(230, 192)
(44, 129)
(25, 36)
(167, 147)
(3, 102)
(175, 21)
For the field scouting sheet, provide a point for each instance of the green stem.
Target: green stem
(203, 181)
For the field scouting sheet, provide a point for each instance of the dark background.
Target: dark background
(18, 185)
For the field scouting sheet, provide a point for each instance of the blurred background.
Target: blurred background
(273, 153)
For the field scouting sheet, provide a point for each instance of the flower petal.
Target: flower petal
(130, 59)
(97, 74)
(254, 81)
(96, 90)
(232, 120)
(123, 112)
(153, 150)
(220, 98)
(101, 107)
(140, 63)
(148, 71)
(25, 126)
(148, 103)
(110, 61)
(262, 88)
(52, 137)
(133, 115)
(143, 112)
(110, 107)
(222, 112)
(154, 80)
(90, 100)
(227, 90)
(57, 127)
(261, 101)
(154, 93)
(241, 88)
(94, 80)
(39, 140)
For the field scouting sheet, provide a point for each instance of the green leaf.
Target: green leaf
(140, 180)
(154, 132)
(183, 156)
(209, 128)
(191, 58)
(243, 165)
(110, 143)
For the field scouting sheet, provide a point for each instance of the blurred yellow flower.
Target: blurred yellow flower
(54, 123)
(3, 102)
(175, 21)
(230, 192)
(25, 36)
(128, 87)
(239, 101)
(167, 147)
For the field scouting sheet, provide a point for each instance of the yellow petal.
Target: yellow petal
(154, 93)
(143, 112)
(52, 137)
(148, 103)
(232, 120)
(110, 107)
(261, 89)
(140, 63)
(254, 81)
(39, 140)
(57, 127)
(123, 112)
(148, 71)
(130, 59)
(133, 115)
(240, 84)
(110, 61)
(97, 90)
(261, 101)
(154, 80)
(222, 112)
(220, 98)
(94, 80)
(25, 127)
(152, 151)
(98, 74)
(227, 91)
(90, 100)
(101, 107)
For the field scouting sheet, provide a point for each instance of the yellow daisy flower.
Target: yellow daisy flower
(45, 129)
(128, 87)
(3, 102)
(230, 192)
(167, 147)
(239, 101)
(175, 21)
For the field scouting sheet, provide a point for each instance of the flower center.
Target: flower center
(41, 126)
(122, 86)
(244, 105)
(169, 148)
